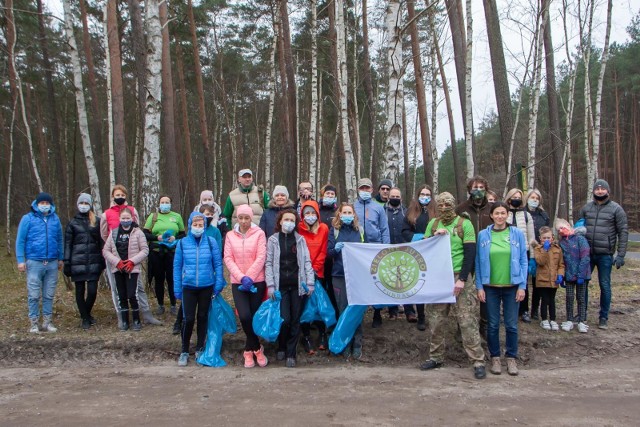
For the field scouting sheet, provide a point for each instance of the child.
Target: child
(549, 274)
(575, 250)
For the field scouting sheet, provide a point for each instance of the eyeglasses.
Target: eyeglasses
(425, 195)
(385, 189)
(306, 189)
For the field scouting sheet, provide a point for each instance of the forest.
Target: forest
(172, 97)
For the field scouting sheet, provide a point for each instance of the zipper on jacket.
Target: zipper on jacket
(197, 259)
(593, 249)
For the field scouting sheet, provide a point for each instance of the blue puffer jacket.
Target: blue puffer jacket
(519, 261)
(38, 239)
(373, 220)
(197, 262)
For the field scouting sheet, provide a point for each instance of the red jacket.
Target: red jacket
(111, 219)
(316, 242)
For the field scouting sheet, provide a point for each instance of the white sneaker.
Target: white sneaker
(567, 326)
(48, 327)
(545, 325)
(554, 325)
(34, 327)
(583, 328)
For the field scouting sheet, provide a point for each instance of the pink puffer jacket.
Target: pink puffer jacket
(138, 249)
(244, 255)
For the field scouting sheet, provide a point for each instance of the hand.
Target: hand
(60, 265)
(580, 281)
(172, 239)
(619, 262)
(338, 247)
(271, 292)
(547, 245)
(310, 290)
(246, 281)
(22, 267)
(120, 266)
(532, 267)
(458, 287)
(128, 266)
(559, 279)
(159, 237)
(441, 232)
(482, 296)
(178, 295)
(520, 295)
(67, 269)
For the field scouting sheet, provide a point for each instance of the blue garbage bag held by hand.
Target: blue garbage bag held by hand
(319, 307)
(221, 320)
(348, 322)
(267, 320)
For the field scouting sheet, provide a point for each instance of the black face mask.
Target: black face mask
(209, 219)
(516, 203)
(600, 198)
(120, 200)
(394, 202)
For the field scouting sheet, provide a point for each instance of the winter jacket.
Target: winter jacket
(213, 231)
(373, 220)
(83, 259)
(39, 237)
(577, 261)
(272, 264)
(606, 226)
(549, 264)
(519, 262)
(244, 255)
(255, 197)
(316, 242)
(408, 230)
(268, 219)
(395, 219)
(327, 213)
(524, 222)
(138, 249)
(197, 262)
(110, 219)
(346, 233)
(478, 214)
(540, 219)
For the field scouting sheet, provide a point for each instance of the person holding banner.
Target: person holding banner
(463, 250)
(501, 278)
(345, 228)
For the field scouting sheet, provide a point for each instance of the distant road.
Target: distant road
(634, 237)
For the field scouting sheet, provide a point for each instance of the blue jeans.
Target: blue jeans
(505, 296)
(604, 262)
(42, 279)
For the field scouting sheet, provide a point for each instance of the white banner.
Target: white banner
(412, 273)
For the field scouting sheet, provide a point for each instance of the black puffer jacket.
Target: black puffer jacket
(395, 218)
(540, 219)
(606, 225)
(408, 230)
(83, 259)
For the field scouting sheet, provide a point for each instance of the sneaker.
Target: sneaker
(322, 342)
(422, 325)
(260, 357)
(173, 310)
(47, 326)
(248, 359)
(525, 317)
(86, 324)
(124, 327)
(160, 310)
(583, 328)
(291, 362)
(567, 326)
(137, 326)
(554, 325)
(34, 327)
(545, 325)
(393, 316)
(430, 364)
(308, 345)
(92, 320)
(280, 356)
(377, 320)
(198, 354)
(183, 359)
(480, 372)
(602, 324)
(512, 366)
(496, 366)
(347, 352)
(356, 352)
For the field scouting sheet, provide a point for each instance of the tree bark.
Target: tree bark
(140, 54)
(268, 173)
(110, 144)
(186, 132)
(368, 90)
(468, 111)
(458, 37)
(395, 91)
(313, 123)
(290, 95)
(534, 101)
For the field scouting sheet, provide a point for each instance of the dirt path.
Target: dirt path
(587, 394)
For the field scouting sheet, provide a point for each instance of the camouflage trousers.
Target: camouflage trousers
(465, 311)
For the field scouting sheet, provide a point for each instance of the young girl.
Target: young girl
(576, 252)
(549, 275)
(124, 250)
(288, 269)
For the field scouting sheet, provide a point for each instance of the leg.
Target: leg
(245, 306)
(340, 292)
(80, 301)
(110, 275)
(35, 275)
(466, 311)
(121, 286)
(570, 289)
(544, 296)
(142, 296)
(437, 315)
(285, 313)
(92, 293)
(295, 305)
(535, 297)
(604, 263)
(132, 290)
(189, 303)
(494, 301)
(552, 304)
(156, 272)
(49, 284)
(328, 282)
(204, 302)
(581, 291)
(510, 321)
(168, 268)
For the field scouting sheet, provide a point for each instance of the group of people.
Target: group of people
(273, 243)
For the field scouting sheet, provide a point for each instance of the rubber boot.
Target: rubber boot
(148, 318)
(136, 320)
(124, 318)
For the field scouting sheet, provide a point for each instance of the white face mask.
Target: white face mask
(311, 219)
(84, 208)
(287, 227)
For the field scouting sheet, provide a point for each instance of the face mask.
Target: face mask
(329, 201)
(126, 224)
(165, 207)
(120, 200)
(364, 195)
(478, 194)
(288, 227)
(424, 200)
(209, 219)
(600, 198)
(533, 204)
(311, 219)
(306, 196)
(44, 208)
(197, 232)
(84, 208)
(516, 203)
(346, 219)
(394, 202)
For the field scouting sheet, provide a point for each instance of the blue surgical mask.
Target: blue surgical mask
(287, 227)
(533, 204)
(346, 219)
(311, 219)
(165, 207)
(329, 201)
(126, 224)
(424, 200)
(197, 232)
(44, 208)
(364, 195)
(84, 208)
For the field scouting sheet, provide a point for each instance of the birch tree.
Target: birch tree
(368, 88)
(395, 90)
(83, 124)
(468, 117)
(107, 62)
(313, 123)
(117, 96)
(268, 174)
(534, 100)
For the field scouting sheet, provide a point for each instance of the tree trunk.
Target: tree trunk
(368, 90)
(395, 90)
(458, 37)
(290, 94)
(434, 117)
(285, 117)
(9, 4)
(405, 153)
(186, 132)
(534, 101)
(138, 36)
(110, 144)
(313, 123)
(268, 173)
(468, 110)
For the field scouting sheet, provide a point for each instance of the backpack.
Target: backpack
(458, 229)
(337, 231)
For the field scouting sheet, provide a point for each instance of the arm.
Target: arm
(331, 244)
(384, 227)
(104, 227)
(585, 256)
(217, 237)
(217, 266)
(143, 247)
(261, 255)
(265, 199)
(177, 269)
(468, 260)
(541, 256)
(263, 222)
(561, 268)
(478, 269)
(531, 233)
(230, 262)
(407, 230)
(228, 209)
(623, 231)
(268, 265)
(21, 239)
(318, 263)
(68, 242)
(524, 262)
(308, 267)
(148, 232)
(109, 256)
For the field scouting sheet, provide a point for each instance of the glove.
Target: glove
(580, 281)
(128, 266)
(218, 289)
(120, 265)
(66, 270)
(619, 262)
(532, 267)
(563, 284)
(547, 245)
(178, 294)
(338, 247)
(559, 279)
(246, 281)
(271, 292)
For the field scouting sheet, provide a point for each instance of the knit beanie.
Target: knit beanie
(206, 193)
(330, 187)
(281, 189)
(244, 210)
(84, 198)
(601, 183)
(44, 197)
(386, 182)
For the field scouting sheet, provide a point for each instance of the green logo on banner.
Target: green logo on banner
(399, 271)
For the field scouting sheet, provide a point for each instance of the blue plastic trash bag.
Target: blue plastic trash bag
(318, 307)
(580, 223)
(221, 320)
(267, 320)
(533, 267)
(417, 237)
(348, 322)
(165, 239)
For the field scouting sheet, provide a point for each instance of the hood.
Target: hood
(288, 205)
(253, 229)
(581, 230)
(311, 203)
(34, 209)
(215, 206)
(195, 215)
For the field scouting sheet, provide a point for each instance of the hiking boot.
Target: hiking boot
(554, 325)
(280, 356)
(602, 324)
(260, 357)
(496, 366)
(377, 319)
(356, 352)
(583, 328)
(148, 318)
(92, 320)
(480, 372)
(422, 325)
(86, 324)
(308, 345)
(512, 366)
(393, 316)
(47, 324)
(411, 318)
(291, 362)
(248, 359)
(525, 317)
(173, 310)
(160, 310)
(545, 325)
(567, 326)
(137, 326)
(35, 329)
(430, 364)
(183, 359)
(322, 342)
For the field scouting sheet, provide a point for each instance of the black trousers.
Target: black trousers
(161, 269)
(290, 311)
(247, 303)
(195, 301)
(85, 304)
(127, 285)
(548, 299)
(535, 296)
(413, 309)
